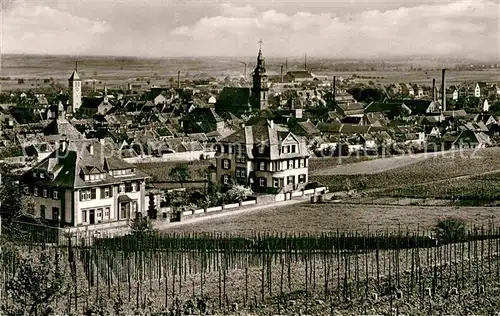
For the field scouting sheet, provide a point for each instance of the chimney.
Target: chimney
(434, 89)
(245, 74)
(93, 86)
(305, 62)
(334, 88)
(178, 79)
(281, 76)
(443, 89)
(286, 64)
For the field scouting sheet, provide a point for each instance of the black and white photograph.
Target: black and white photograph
(230, 157)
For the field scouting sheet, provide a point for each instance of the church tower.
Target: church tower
(260, 89)
(75, 91)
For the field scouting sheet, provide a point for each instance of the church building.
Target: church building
(243, 100)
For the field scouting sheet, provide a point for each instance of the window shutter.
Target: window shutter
(229, 164)
(81, 195)
(102, 193)
(111, 191)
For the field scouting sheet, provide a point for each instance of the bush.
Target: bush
(450, 230)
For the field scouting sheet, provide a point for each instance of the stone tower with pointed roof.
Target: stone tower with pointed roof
(260, 89)
(75, 91)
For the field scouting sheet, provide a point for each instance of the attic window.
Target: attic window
(261, 149)
(87, 177)
(42, 175)
(51, 176)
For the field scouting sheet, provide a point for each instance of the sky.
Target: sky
(321, 28)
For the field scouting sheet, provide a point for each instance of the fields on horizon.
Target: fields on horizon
(118, 71)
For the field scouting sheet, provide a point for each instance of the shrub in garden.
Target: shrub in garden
(238, 193)
(141, 225)
(450, 230)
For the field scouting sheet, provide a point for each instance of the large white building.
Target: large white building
(82, 183)
(265, 156)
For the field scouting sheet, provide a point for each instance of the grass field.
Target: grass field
(118, 71)
(327, 217)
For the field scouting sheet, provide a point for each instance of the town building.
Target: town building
(265, 156)
(84, 183)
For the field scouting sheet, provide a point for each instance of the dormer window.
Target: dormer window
(42, 175)
(34, 174)
(87, 177)
(51, 176)
(261, 149)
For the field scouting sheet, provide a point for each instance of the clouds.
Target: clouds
(460, 28)
(29, 28)
(467, 28)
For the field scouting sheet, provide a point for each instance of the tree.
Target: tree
(450, 230)
(38, 282)
(15, 206)
(238, 193)
(152, 211)
(180, 173)
(204, 173)
(141, 225)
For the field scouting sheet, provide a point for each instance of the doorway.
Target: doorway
(92, 217)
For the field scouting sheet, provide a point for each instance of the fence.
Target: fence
(255, 269)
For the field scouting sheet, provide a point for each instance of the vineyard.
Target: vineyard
(450, 165)
(269, 273)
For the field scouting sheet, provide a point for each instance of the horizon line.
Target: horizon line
(408, 58)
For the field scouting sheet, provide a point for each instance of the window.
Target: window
(237, 173)
(262, 166)
(87, 177)
(290, 164)
(122, 188)
(226, 163)
(302, 178)
(35, 191)
(276, 182)
(134, 186)
(237, 150)
(55, 214)
(44, 192)
(106, 213)
(55, 194)
(225, 179)
(99, 214)
(84, 216)
(290, 180)
(302, 163)
(93, 194)
(285, 149)
(262, 182)
(42, 175)
(34, 174)
(261, 149)
(42, 211)
(128, 187)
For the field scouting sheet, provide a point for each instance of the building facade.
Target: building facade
(79, 185)
(265, 156)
